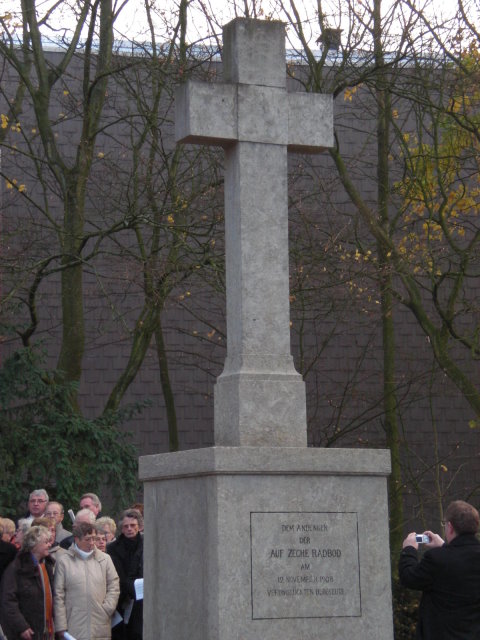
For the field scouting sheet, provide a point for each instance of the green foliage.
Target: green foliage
(45, 443)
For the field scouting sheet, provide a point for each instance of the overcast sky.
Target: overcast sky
(222, 11)
(132, 22)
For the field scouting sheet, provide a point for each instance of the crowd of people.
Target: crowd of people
(85, 584)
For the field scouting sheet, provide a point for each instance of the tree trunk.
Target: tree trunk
(173, 443)
(388, 327)
(142, 336)
(73, 321)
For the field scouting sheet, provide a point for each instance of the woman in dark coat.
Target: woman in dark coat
(127, 555)
(26, 590)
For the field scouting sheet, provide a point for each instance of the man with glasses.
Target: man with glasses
(448, 574)
(37, 503)
(55, 510)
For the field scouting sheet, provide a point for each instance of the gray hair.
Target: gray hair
(39, 492)
(132, 513)
(106, 521)
(94, 498)
(85, 512)
(24, 524)
(35, 535)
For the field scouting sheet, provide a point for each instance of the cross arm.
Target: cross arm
(206, 113)
(310, 122)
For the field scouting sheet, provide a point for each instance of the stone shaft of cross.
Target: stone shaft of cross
(259, 397)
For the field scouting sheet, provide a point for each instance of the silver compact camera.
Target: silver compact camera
(422, 538)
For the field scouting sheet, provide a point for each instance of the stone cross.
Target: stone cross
(259, 397)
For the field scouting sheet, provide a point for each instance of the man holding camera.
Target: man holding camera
(448, 574)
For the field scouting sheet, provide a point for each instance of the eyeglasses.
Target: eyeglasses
(39, 500)
(90, 538)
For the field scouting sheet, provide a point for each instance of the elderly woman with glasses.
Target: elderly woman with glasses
(86, 588)
(26, 590)
(108, 525)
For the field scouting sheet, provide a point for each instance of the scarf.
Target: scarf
(48, 602)
(84, 555)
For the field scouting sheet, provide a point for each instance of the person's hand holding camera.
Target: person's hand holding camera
(435, 540)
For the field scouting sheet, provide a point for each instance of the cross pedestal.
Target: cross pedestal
(261, 537)
(259, 397)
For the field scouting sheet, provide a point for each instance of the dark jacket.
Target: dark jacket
(8, 552)
(67, 542)
(127, 556)
(22, 597)
(449, 577)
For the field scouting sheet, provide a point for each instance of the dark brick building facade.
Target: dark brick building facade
(336, 323)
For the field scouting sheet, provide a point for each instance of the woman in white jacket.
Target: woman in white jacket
(86, 588)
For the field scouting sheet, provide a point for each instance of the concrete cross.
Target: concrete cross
(259, 397)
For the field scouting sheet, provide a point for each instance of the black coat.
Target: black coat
(8, 552)
(23, 598)
(449, 577)
(67, 542)
(127, 556)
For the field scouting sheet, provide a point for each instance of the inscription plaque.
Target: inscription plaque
(304, 565)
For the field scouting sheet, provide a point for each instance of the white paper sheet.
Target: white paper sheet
(138, 588)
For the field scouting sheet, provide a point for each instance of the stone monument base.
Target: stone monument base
(267, 543)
